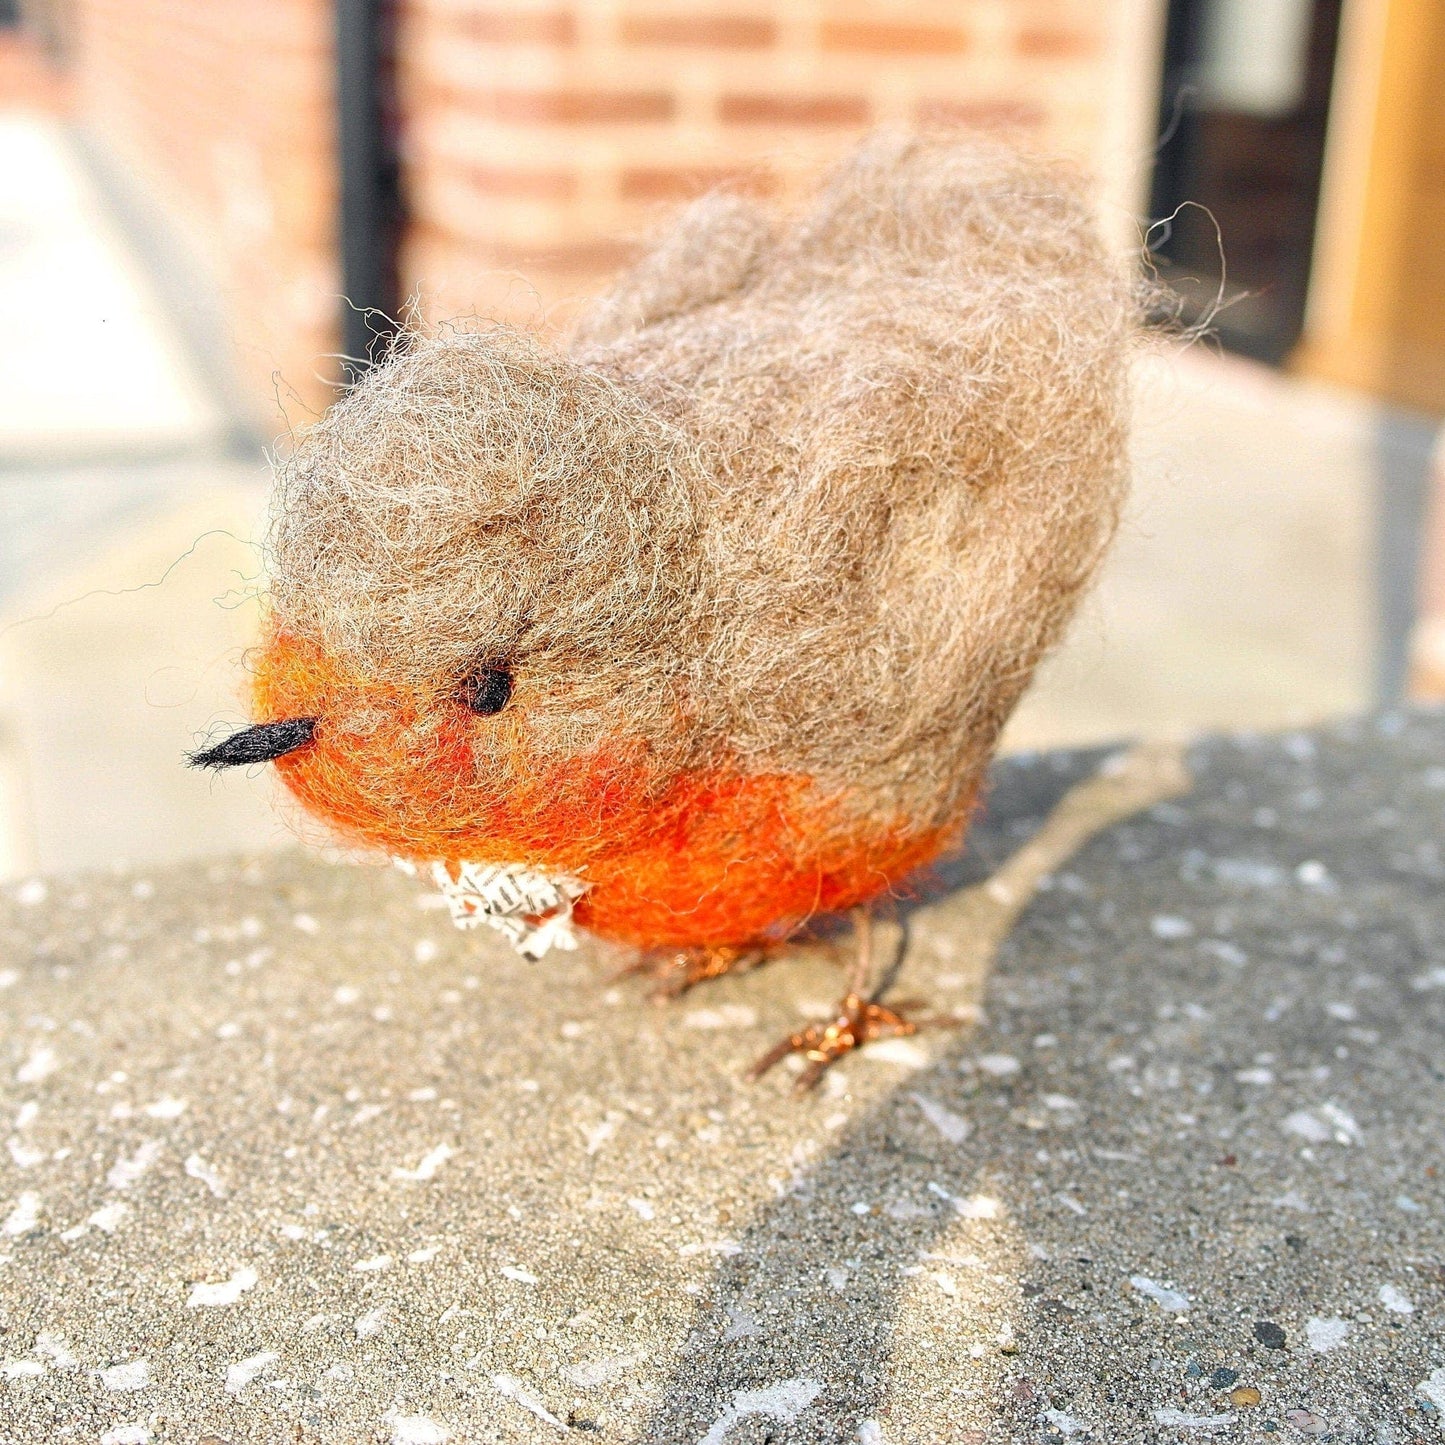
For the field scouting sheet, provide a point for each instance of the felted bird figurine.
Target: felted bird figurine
(707, 624)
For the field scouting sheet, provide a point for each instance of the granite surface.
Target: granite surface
(289, 1159)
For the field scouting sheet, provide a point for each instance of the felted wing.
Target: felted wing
(710, 251)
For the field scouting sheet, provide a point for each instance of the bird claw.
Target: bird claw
(675, 971)
(859, 1021)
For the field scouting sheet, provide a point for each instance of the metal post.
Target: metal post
(369, 190)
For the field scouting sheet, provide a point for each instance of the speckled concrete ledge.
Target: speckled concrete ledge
(290, 1160)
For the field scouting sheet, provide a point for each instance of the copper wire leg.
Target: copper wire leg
(860, 1020)
(863, 954)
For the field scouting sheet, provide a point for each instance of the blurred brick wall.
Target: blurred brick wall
(223, 110)
(542, 138)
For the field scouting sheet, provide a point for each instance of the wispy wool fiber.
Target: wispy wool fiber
(760, 563)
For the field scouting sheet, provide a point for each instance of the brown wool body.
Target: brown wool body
(802, 500)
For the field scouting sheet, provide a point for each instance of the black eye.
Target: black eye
(487, 690)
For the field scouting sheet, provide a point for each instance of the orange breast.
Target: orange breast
(720, 857)
(747, 860)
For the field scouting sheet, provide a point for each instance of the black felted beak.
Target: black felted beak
(263, 743)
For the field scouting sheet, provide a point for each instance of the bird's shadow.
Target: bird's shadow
(770, 1314)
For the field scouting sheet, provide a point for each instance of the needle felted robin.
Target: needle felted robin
(707, 624)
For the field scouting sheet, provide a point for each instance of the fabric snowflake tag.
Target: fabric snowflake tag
(532, 910)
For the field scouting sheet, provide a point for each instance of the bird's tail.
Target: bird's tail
(947, 204)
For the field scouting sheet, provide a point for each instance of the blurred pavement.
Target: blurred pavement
(1242, 589)
(1257, 581)
(90, 365)
(116, 472)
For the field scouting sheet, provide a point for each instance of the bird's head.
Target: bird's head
(486, 598)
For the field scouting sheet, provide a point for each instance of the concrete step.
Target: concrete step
(293, 1159)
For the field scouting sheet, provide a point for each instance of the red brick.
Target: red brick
(519, 27)
(541, 185)
(597, 257)
(585, 256)
(889, 37)
(1044, 42)
(986, 114)
(674, 183)
(793, 109)
(711, 32)
(574, 107)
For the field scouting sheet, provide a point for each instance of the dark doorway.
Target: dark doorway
(1244, 106)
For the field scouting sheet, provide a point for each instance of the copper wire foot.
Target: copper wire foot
(860, 1020)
